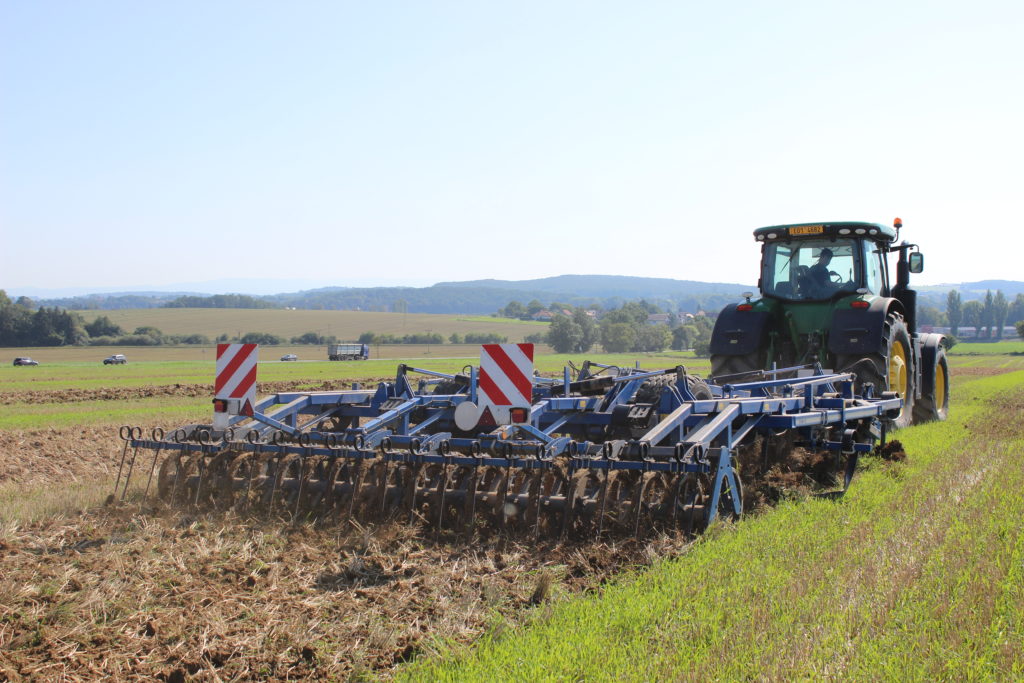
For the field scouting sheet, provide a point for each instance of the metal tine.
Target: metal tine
(277, 478)
(675, 498)
(303, 471)
(411, 488)
(472, 491)
(177, 476)
(327, 499)
(124, 454)
(504, 497)
(539, 479)
(604, 500)
(443, 486)
(152, 469)
(383, 478)
(356, 488)
(202, 470)
(638, 503)
(254, 463)
(128, 477)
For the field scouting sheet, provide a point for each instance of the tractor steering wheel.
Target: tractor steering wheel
(835, 277)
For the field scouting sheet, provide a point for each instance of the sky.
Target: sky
(281, 146)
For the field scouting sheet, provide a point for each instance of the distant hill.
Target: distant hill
(608, 286)
(487, 296)
(1010, 288)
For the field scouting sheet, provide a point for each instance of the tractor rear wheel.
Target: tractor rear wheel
(935, 404)
(891, 370)
(736, 365)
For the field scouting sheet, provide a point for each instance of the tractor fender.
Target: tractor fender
(930, 345)
(739, 333)
(857, 331)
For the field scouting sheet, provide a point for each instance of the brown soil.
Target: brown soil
(154, 391)
(55, 456)
(120, 593)
(124, 592)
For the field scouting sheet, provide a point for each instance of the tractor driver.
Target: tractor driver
(821, 278)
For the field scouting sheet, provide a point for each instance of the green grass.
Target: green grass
(988, 348)
(78, 375)
(166, 411)
(914, 575)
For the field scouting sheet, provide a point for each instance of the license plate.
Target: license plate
(807, 230)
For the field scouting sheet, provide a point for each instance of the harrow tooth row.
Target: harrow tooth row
(607, 451)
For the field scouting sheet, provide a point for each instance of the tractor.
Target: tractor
(827, 301)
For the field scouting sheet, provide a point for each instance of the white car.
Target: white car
(289, 356)
(116, 359)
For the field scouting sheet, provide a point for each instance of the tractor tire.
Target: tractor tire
(935, 404)
(891, 370)
(735, 365)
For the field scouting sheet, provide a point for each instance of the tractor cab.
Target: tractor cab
(822, 262)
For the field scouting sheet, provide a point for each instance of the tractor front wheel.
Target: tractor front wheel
(934, 405)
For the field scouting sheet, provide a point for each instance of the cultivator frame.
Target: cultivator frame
(601, 447)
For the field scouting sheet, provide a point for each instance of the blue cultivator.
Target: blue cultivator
(600, 448)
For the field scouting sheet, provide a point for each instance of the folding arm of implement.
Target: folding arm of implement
(618, 448)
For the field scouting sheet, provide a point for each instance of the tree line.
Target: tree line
(990, 314)
(626, 329)
(219, 301)
(432, 338)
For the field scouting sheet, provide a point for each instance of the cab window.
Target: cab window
(810, 269)
(874, 281)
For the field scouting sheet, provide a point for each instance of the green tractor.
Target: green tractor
(827, 299)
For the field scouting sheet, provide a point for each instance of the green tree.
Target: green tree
(589, 331)
(653, 338)
(103, 326)
(929, 315)
(618, 337)
(1016, 309)
(261, 338)
(564, 335)
(455, 338)
(534, 307)
(307, 338)
(973, 314)
(988, 314)
(954, 311)
(1020, 328)
(1000, 309)
(680, 338)
(514, 309)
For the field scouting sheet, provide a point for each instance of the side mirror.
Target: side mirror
(916, 260)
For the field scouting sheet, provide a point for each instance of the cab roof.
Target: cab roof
(874, 231)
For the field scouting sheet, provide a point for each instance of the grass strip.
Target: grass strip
(803, 591)
(165, 411)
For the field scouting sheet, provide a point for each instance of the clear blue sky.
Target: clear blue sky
(344, 143)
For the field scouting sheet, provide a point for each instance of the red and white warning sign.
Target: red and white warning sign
(506, 372)
(234, 389)
(504, 383)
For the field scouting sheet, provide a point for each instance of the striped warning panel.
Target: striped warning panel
(236, 371)
(506, 372)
